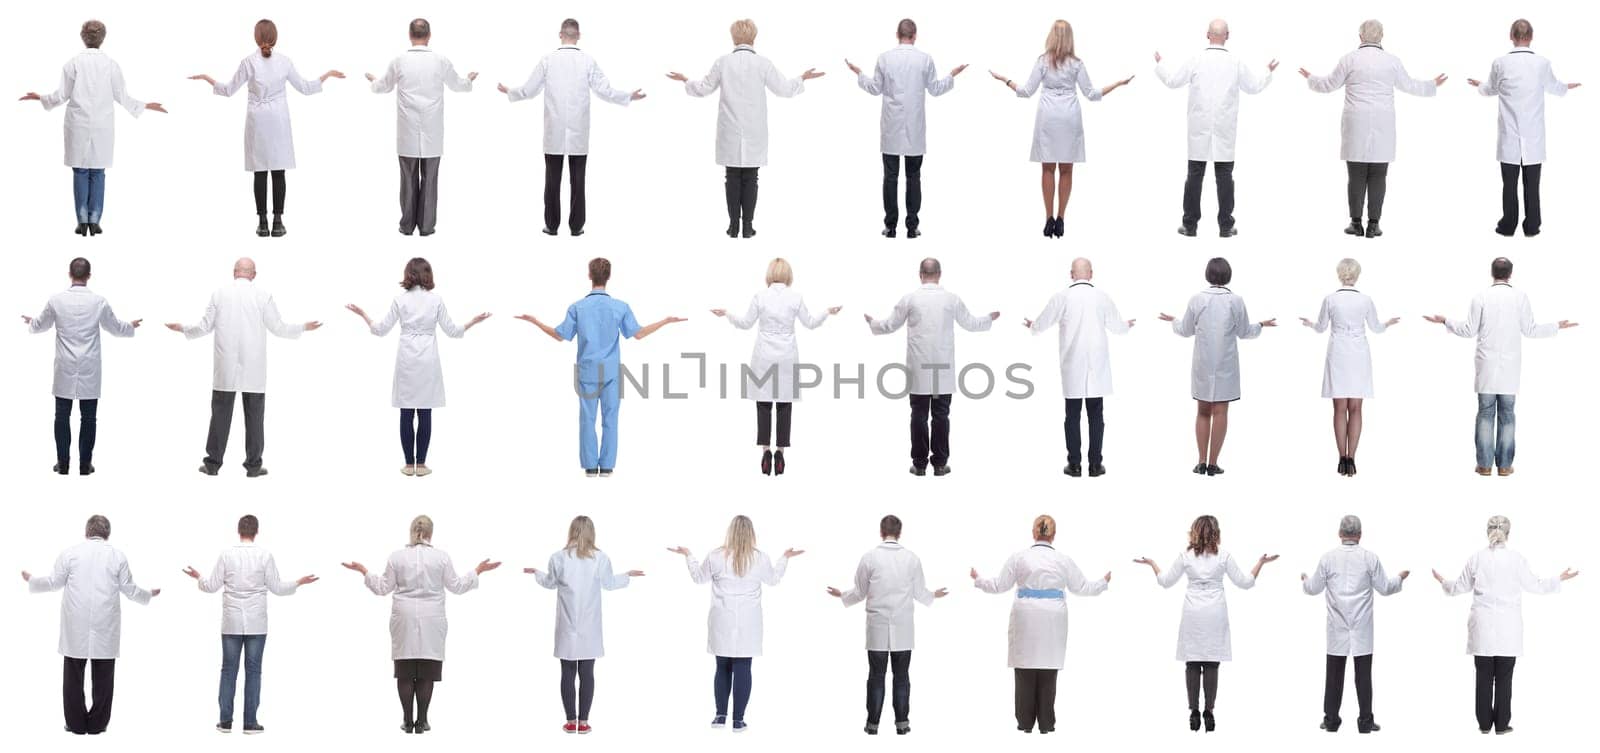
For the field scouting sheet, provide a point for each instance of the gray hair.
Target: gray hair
(1350, 527)
(569, 29)
(421, 530)
(1371, 31)
(930, 267)
(1499, 530)
(1349, 270)
(93, 34)
(1218, 29)
(98, 527)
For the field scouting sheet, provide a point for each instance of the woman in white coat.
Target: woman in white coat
(1204, 640)
(1217, 320)
(773, 372)
(418, 377)
(268, 139)
(1058, 125)
(1496, 578)
(1037, 636)
(419, 576)
(736, 572)
(1369, 76)
(744, 78)
(1347, 374)
(578, 573)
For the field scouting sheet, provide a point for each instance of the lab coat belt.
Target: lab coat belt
(1041, 593)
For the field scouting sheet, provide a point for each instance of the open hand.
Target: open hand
(307, 580)
(812, 73)
(835, 593)
(958, 69)
(683, 550)
(158, 108)
(485, 566)
(356, 566)
(1166, 317)
(856, 69)
(792, 552)
(191, 572)
(676, 76)
(174, 326)
(637, 95)
(1440, 79)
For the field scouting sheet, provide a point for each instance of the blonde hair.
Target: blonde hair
(1499, 530)
(580, 537)
(740, 545)
(1044, 528)
(743, 31)
(266, 36)
(1349, 270)
(1058, 46)
(1371, 31)
(421, 530)
(778, 270)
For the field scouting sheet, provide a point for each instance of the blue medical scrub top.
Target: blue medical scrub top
(599, 322)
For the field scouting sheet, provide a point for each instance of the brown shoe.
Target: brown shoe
(1507, 471)
(1482, 471)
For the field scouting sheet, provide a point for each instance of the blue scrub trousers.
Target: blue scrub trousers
(601, 452)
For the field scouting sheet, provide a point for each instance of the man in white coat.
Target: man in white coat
(419, 77)
(93, 578)
(1498, 319)
(567, 76)
(78, 315)
(904, 77)
(1083, 315)
(890, 580)
(1215, 78)
(1521, 78)
(1349, 576)
(241, 315)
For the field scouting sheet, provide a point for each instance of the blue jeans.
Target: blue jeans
(88, 192)
(252, 647)
(598, 452)
(733, 677)
(1496, 449)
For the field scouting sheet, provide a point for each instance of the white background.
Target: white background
(178, 212)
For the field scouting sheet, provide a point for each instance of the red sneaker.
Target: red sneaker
(570, 728)
(584, 728)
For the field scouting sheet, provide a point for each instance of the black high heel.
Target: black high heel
(82, 229)
(1211, 722)
(1061, 226)
(1049, 227)
(1194, 721)
(777, 463)
(766, 462)
(1344, 466)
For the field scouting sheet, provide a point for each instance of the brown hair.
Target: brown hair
(249, 526)
(266, 36)
(1205, 536)
(420, 29)
(78, 270)
(1219, 272)
(1500, 268)
(906, 30)
(92, 34)
(1044, 528)
(889, 527)
(1521, 30)
(599, 271)
(419, 273)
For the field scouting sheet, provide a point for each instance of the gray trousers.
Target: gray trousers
(419, 194)
(255, 410)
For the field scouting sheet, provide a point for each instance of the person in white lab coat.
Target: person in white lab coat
(1058, 124)
(774, 371)
(418, 377)
(1369, 76)
(245, 574)
(567, 77)
(241, 315)
(1521, 78)
(1350, 576)
(736, 572)
(1083, 315)
(578, 574)
(90, 84)
(1496, 577)
(93, 578)
(930, 315)
(419, 576)
(1217, 320)
(1498, 319)
(1346, 315)
(268, 138)
(1204, 638)
(1214, 78)
(1042, 577)
(419, 77)
(744, 77)
(77, 315)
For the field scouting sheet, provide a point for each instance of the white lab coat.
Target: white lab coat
(1369, 76)
(1083, 315)
(1203, 633)
(246, 573)
(1037, 636)
(904, 76)
(742, 75)
(930, 314)
(1350, 575)
(268, 138)
(1521, 78)
(91, 575)
(418, 377)
(1349, 313)
(418, 576)
(1058, 123)
(90, 84)
(566, 77)
(776, 309)
(1214, 77)
(78, 315)
(241, 315)
(420, 75)
(578, 582)
(733, 627)
(889, 578)
(1496, 578)
(1216, 319)
(1499, 318)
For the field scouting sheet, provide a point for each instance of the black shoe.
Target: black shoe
(255, 472)
(262, 228)
(61, 468)
(1061, 226)
(1505, 731)
(888, 232)
(1186, 231)
(1350, 467)
(749, 231)
(1049, 227)
(733, 229)
(1367, 727)
(592, 472)
(1344, 466)
(578, 232)
(85, 469)
(208, 470)
(605, 473)
(1200, 469)
(405, 231)
(549, 231)
(78, 732)
(254, 729)
(871, 729)
(1507, 233)
(82, 229)
(423, 726)
(1096, 469)
(941, 470)
(1354, 228)
(1526, 233)
(1073, 469)
(1325, 727)
(902, 729)
(408, 727)
(918, 470)
(1213, 470)
(94, 228)
(426, 233)
(1211, 721)
(1194, 721)
(278, 230)
(1373, 230)
(224, 727)
(777, 463)
(766, 462)
(912, 232)
(1229, 232)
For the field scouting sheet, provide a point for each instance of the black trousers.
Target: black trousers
(1191, 194)
(1508, 198)
(419, 194)
(1097, 428)
(1196, 674)
(1368, 183)
(577, 688)
(1333, 690)
(764, 413)
(740, 185)
(891, 190)
(929, 444)
(878, 665)
(279, 187)
(1036, 699)
(83, 719)
(1494, 691)
(255, 411)
(87, 411)
(552, 191)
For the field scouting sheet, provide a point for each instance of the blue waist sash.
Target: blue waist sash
(1041, 593)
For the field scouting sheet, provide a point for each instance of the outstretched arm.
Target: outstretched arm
(650, 328)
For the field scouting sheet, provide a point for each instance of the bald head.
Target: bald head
(929, 270)
(1217, 32)
(1082, 269)
(244, 269)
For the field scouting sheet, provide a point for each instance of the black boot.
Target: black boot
(1211, 721)
(1355, 228)
(262, 229)
(1194, 720)
(277, 226)
(1373, 230)
(82, 229)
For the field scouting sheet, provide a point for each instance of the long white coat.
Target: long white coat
(1348, 313)
(241, 315)
(566, 77)
(92, 577)
(733, 627)
(1037, 635)
(904, 77)
(1203, 633)
(1350, 575)
(1083, 315)
(268, 137)
(90, 84)
(1369, 76)
(420, 75)
(1217, 320)
(930, 314)
(245, 574)
(1499, 318)
(578, 582)
(776, 309)
(744, 78)
(419, 576)
(1496, 578)
(1058, 123)
(78, 315)
(1214, 77)
(418, 376)
(1521, 78)
(889, 579)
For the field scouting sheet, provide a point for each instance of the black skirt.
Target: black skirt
(419, 669)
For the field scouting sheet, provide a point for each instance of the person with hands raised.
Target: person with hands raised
(1346, 315)
(1349, 576)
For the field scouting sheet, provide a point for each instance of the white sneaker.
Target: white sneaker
(422, 470)
(409, 470)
